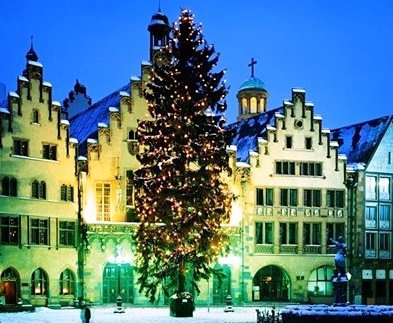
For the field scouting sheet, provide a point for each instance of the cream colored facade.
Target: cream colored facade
(38, 216)
(262, 263)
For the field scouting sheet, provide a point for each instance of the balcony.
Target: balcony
(289, 249)
(312, 249)
(263, 248)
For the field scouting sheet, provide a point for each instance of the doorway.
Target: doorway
(118, 279)
(10, 285)
(271, 283)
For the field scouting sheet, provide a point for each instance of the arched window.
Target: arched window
(319, 283)
(34, 189)
(253, 105)
(39, 283)
(5, 186)
(132, 135)
(262, 105)
(244, 105)
(67, 282)
(43, 190)
(36, 116)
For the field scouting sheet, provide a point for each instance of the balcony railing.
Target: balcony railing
(291, 249)
(260, 248)
(311, 249)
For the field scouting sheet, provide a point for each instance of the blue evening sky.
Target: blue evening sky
(340, 51)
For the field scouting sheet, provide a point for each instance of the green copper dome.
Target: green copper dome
(253, 83)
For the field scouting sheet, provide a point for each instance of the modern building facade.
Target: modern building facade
(67, 198)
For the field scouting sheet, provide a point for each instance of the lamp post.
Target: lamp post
(243, 184)
(119, 261)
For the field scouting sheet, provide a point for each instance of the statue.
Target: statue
(339, 258)
(339, 279)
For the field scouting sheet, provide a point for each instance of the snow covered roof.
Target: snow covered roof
(245, 133)
(359, 141)
(84, 124)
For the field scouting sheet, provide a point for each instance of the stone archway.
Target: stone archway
(10, 285)
(118, 279)
(271, 283)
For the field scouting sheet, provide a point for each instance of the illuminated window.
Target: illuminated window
(384, 217)
(39, 283)
(39, 231)
(67, 233)
(371, 217)
(9, 186)
(9, 230)
(371, 188)
(253, 105)
(103, 195)
(264, 232)
(319, 283)
(67, 283)
(21, 147)
(384, 188)
(262, 104)
(244, 105)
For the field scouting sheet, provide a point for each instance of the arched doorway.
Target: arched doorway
(221, 283)
(118, 279)
(271, 283)
(10, 285)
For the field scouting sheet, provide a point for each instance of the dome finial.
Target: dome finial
(253, 62)
(31, 54)
(159, 5)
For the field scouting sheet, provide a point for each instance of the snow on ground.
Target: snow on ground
(136, 314)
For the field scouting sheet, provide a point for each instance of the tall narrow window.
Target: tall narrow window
(384, 217)
(9, 186)
(288, 233)
(36, 117)
(103, 191)
(288, 142)
(9, 230)
(371, 188)
(384, 188)
(67, 283)
(259, 196)
(312, 233)
(35, 189)
(39, 283)
(253, 105)
(264, 232)
(308, 143)
(371, 217)
(129, 188)
(49, 152)
(67, 233)
(39, 231)
(288, 197)
(371, 245)
(42, 190)
(312, 198)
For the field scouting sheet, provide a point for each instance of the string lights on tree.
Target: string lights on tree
(182, 200)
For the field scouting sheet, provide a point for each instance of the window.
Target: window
(67, 193)
(39, 283)
(38, 190)
(36, 116)
(288, 142)
(132, 135)
(264, 232)
(285, 168)
(384, 245)
(9, 230)
(67, 283)
(384, 188)
(129, 188)
(67, 233)
(335, 199)
(333, 231)
(244, 105)
(308, 143)
(311, 169)
(39, 231)
(9, 186)
(21, 147)
(384, 217)
(319, 283)
(264, 196)
(371, 217)
(288, 197)
(312, 198)
(312, 233)
(253, 105)
(103, 195)
(371, 188)
(49, 151)
(371, 245)
(288, 233)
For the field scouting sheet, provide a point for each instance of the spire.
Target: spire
(159, 32)
(31, 55)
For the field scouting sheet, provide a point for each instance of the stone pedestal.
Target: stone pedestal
(340, 284)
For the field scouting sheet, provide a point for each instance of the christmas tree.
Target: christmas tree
(182, 200)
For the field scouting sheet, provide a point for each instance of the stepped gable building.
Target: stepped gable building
(38, 194)
(369, 149)
(67, 195)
